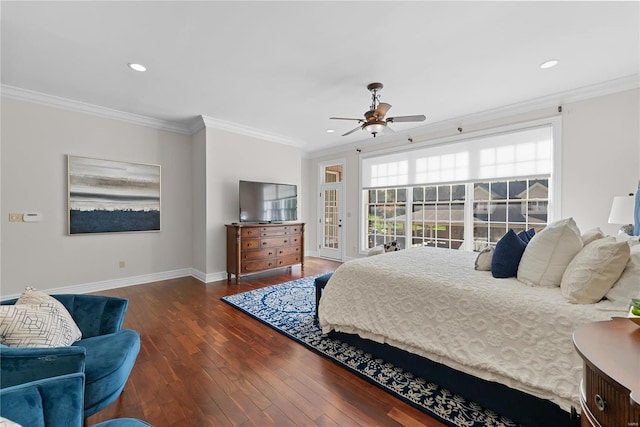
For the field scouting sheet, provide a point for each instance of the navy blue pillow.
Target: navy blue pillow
(527, 235)
(507, 255)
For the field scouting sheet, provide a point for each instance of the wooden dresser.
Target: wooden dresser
(610, 389)
(257, 247)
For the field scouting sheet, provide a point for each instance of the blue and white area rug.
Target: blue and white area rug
(290, 308)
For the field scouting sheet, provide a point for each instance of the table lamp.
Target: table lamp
(622, 213)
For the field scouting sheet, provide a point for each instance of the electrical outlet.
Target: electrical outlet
(121, 264)
(16, 217)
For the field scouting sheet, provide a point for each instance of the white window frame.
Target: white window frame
(554, 210)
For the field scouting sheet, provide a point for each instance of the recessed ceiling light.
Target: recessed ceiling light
(330, 131)
(549, 64)
(137, 67)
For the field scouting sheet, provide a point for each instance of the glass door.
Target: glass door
(331, 208)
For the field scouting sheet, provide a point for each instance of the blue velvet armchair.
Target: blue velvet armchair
(52, 402)
(105, 354)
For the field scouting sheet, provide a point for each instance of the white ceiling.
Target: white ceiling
(283, 68)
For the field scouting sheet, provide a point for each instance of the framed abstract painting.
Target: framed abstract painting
(108, 196)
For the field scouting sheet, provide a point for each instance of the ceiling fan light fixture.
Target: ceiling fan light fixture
(375, 126)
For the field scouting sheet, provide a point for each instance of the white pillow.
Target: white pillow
(376, 250)
(32, 296)
(594, 270)
(483, 261)
(548, 254)
(34, 325)
(628, 285)
(591, 235)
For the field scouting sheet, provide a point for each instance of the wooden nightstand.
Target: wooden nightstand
(610, 389)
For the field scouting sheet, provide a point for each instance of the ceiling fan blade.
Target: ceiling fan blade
(418, 118)
(352, 131)
(381, 110)
(344, 118)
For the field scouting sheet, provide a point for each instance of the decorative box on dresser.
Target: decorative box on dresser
(610, 389)
(255, 247)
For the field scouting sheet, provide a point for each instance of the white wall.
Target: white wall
(35, 142)
(601, 150)
(600, 160)
(230, 158)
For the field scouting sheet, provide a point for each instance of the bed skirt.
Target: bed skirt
(523, 408)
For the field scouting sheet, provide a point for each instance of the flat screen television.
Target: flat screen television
(266, 202)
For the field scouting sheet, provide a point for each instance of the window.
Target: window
(387, 210)
(437, 216)
(502, 205)
(462, 194)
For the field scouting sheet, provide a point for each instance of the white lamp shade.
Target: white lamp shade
(622, 210)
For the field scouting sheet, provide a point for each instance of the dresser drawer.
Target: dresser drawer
(274, 231)
(295, 229)
(258, 254)
(274, 242)
(258, 265)
(250, 244)
(252, 232)
(288, 250)
(290, 260)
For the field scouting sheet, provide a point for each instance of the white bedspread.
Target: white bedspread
(432, 302)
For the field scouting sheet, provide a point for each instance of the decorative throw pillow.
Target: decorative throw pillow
(32, 296)
(548, 254)
(376, 250)
(483, 261)
(392, 246)
(5, 422)
(594, 270)
(591, 235)
(34, 325)
(628, 285)
(527, 235)
(507, 255)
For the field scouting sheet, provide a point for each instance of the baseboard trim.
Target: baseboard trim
(105, 285)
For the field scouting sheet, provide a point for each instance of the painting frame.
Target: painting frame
(112, 196)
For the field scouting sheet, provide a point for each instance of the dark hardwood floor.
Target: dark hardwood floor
(205, 363)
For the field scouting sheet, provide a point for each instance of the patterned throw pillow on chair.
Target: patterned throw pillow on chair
(34, 325)
(32, 296)
(37, 320)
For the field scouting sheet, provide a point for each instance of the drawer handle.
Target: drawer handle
(264, 243)
(270, 253)
(601, 404)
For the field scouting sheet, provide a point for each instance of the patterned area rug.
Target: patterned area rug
(290, 308)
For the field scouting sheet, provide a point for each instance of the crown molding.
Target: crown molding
(82, 107)
(191, 128)
(200, 122)
(579, 94)
(210, 122)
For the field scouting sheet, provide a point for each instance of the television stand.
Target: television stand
(255, 247)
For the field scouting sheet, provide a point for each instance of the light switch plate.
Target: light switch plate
(16, 217)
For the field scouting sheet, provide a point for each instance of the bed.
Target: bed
(429, 309)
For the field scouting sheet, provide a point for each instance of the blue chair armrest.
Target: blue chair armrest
(95, 314)
(19, 365)
(51, 402)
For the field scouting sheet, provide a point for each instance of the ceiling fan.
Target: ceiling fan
(374, 121)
